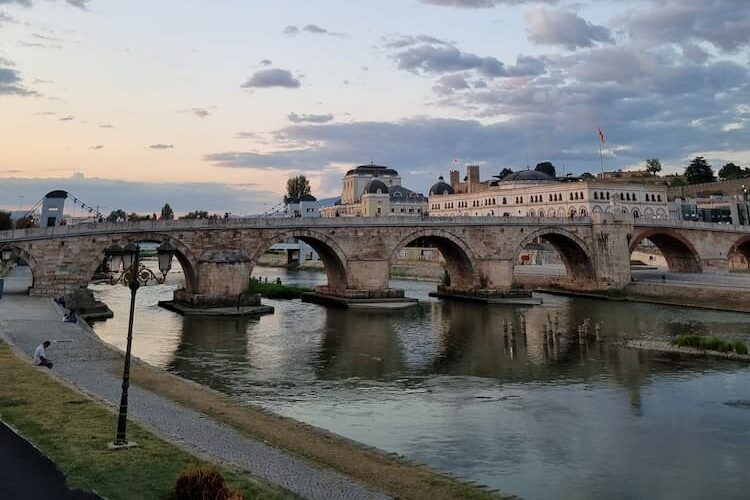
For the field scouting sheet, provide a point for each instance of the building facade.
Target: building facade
(375, 191)
(530, 193)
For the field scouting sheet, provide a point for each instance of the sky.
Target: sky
(213, 105)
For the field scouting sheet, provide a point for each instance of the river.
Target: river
(440, 384)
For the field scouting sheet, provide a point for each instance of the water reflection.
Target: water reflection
(445, 384)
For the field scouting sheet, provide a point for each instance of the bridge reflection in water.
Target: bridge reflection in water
(441, 384)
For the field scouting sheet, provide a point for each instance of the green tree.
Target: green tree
(546, 167)
(677, 182)
(198, 214)
(166, 212)
(296, 187)
(732, 171)
(653, 166)
(699, 171)
(504, 172)
(587, 176)
(134, 217)
(5, 221)
(114, 215)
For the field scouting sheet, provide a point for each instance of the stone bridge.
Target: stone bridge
(218, 256)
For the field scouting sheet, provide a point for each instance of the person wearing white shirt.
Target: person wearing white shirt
(40, 356)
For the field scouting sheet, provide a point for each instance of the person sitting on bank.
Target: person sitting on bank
(40, 356)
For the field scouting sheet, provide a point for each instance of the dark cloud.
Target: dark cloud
(448, 84)
(273, 77)
(290, 30)
(478, 4)
(723, 23)
(161, 146)
(311, 118)
(11, 82)
(142, 197)
(266, 62)
(312, 29)
(81, 4)
(567, 29)
(68, 118)
(315, 29)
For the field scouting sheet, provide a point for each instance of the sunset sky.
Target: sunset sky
(214, 104)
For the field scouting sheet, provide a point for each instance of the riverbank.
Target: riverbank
(313, 463)
(666, 347)
(73, 431)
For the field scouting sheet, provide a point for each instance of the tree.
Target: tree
(546, 167)
(198, 214)
(116, 215)
(133, 217)
(653, 166)
(5, 221)
(504, 172)
(296, 187)
(699, 171)
(732, 171)
(166, 212)
(677, 182)
(587, 175)
(26, 222)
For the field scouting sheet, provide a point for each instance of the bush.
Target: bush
(199, 483)
(740, 347)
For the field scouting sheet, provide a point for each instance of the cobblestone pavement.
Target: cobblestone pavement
(86, 362)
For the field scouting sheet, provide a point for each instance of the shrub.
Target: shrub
(740, 347)
(197, 483)
(708, 343)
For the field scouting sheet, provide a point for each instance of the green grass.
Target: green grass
(710, 343)
(73, 431)
(277, 291)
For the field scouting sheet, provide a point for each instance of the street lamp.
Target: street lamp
(129, 258)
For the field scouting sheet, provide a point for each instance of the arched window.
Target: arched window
(596, 195)
(648, 197)
(581, 194)
(658, 197)
(504, 201)
(627, 196)
(607, 194)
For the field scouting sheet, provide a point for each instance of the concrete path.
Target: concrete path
(84, 361)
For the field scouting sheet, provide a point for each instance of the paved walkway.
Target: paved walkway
(84, 361)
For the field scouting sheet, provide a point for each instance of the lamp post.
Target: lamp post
(129, 259)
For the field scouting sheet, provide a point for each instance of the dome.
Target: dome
(372, 170)
(307, 197)
(441, 187)
(376, 185)
(528, 175)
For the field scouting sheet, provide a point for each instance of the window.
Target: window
(607, 194)
(658, 196)
(647, 197)
(504, 201)
(596, 195)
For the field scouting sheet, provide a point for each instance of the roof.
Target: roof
(441, 187)
(57, 194)
(401, 194)
(373, 170)
(307, 197)
(528, 175)
(374, 186)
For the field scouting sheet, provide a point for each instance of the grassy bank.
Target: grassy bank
(710, 344)
(73, 431)
(276, 290)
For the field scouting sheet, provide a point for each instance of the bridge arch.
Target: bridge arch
(26, 256)
(184, 255)
(333, 257)
(574, 252)
(678, 251)
(459, 258)
(739, 254)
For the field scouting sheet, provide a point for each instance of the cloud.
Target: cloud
(723, 23)
(161, 146)
(199, 112)
(5, 18)
(141, 197)
(312, 29)
(477, 4)
(273, 77)
(68, 118)
(81, 4)
(290, 30)
(97, 147)
(305, 118)
(11, 82)
(556, 27)
(106, 125)
(265, 62)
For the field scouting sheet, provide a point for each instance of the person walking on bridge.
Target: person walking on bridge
(40, 356)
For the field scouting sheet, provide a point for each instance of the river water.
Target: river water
(439, 384)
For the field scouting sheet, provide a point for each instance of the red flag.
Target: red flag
(601, 135)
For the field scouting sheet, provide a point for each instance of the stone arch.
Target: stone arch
(541, 212)
(333, 257)
(596, 209)
(184, 255)
(459, 259)
(574, 252)
(27, 257)
(648, 213)
(677, 250)
(739, 254)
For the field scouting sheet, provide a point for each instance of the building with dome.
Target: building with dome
(375, 191)
(530, 193)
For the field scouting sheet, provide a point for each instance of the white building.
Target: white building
(530, 193)
(375, 191)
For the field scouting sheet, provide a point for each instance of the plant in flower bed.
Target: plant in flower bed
(276, 290)
(710, 343)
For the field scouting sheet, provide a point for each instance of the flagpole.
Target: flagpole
(601, 158)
